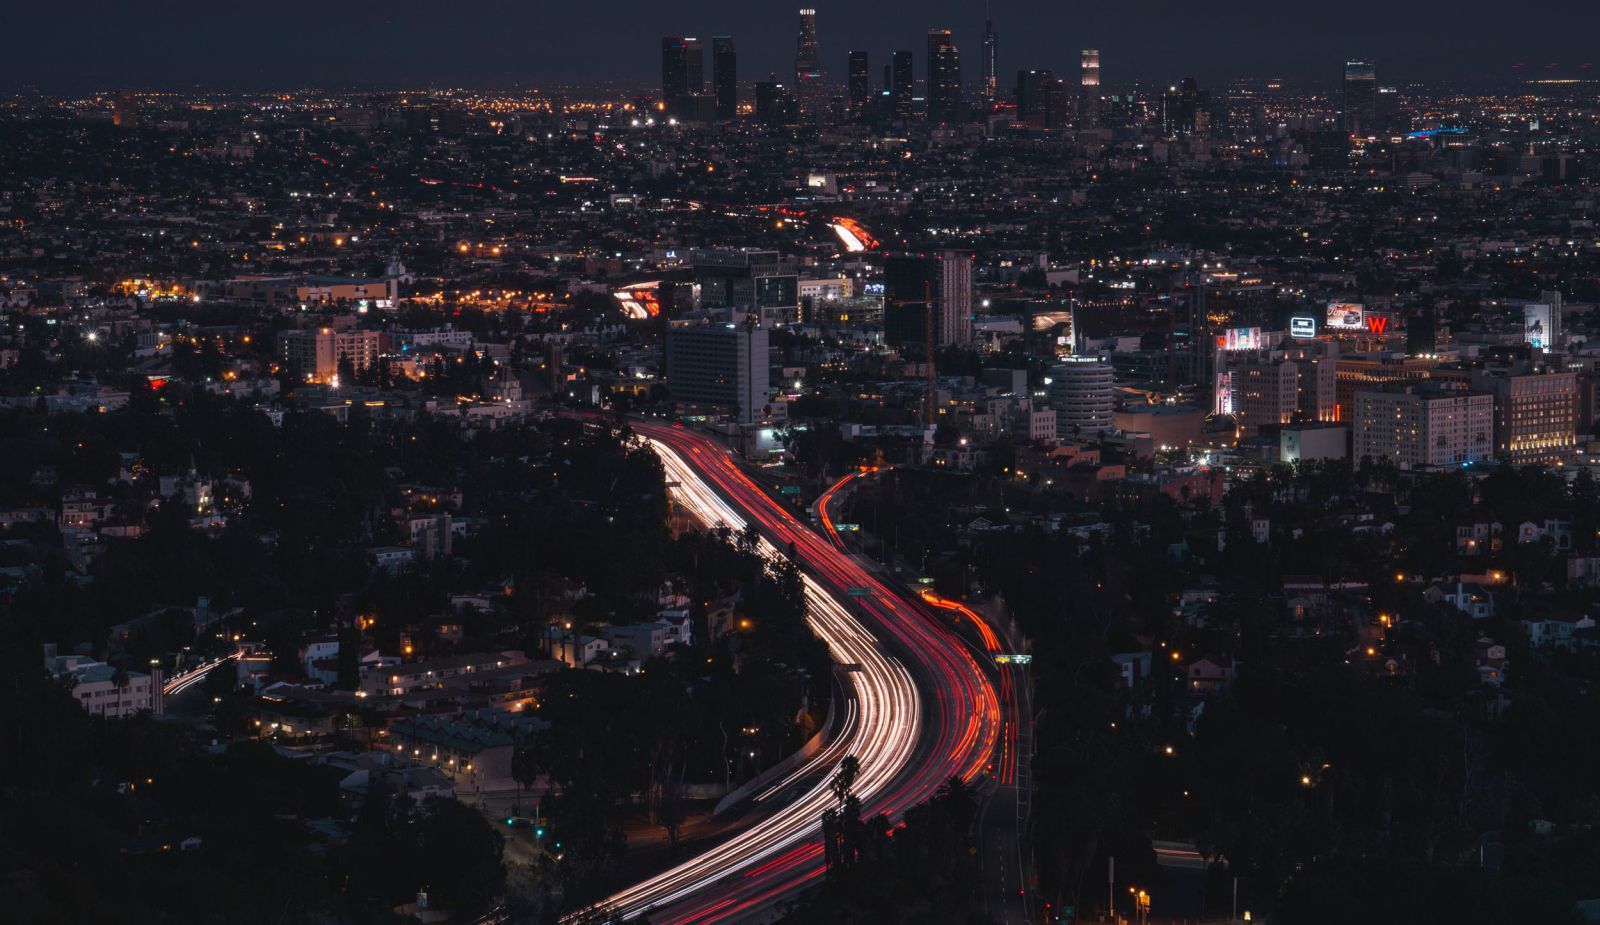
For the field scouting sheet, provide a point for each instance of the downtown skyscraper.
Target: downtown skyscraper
(725, 76)
(944, 77)
(902, 85)
(860, 87)
(683, 72)
(991, 43)
(1089, 89)
(810, 80)
(1358, 103)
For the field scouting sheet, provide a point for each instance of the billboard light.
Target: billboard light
(1346, 316)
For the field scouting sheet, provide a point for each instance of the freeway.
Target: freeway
(1002, 829)
(179, 683)
(922, 707)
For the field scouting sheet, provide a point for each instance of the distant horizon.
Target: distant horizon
(622, 86)
(405, 44)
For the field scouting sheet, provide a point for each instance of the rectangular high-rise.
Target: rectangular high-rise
(1089, 88)
(1423, 424)
(1265, 393)
(944, 77)
(1358, 103)
(316, 353)
(1535, 414)
(683, 70)
(1042, 101)
(860, 86)
(725, 77)
(726, 366)
(903, 86)
(910, 280)
(775, 104)
(751, 279)
(1183, 108)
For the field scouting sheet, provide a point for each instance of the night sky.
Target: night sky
(89, 44)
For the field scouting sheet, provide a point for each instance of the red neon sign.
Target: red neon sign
(1377, 324)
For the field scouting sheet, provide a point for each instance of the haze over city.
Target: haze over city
(409, 43)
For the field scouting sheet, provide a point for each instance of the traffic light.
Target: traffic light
(539, 832)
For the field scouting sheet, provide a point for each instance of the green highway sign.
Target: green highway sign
(859, 592)
(847, 528)
(1018, 659)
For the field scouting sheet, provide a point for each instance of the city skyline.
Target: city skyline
(982, 464)
(409, 44)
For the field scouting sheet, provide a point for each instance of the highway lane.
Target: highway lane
(179, 683)
(924, 708)
(1002, 827)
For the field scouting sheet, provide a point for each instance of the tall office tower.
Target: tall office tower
(1387, 108)
(944, 77)
(1358, 105)
(903, 87)
(991, 50)
(908, 282)
(775, 105)
(725, 76)
(1081, 390)
(720, 366)
(683, 71)
(810, 81)
(860, 87)
(1089, 88)
(806, 56)
(1033, 97)
(1181, 108)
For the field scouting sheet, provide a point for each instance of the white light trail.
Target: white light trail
(881, 729)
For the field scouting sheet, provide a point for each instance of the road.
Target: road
(923, 707)
(179, 683)
(1002, 828)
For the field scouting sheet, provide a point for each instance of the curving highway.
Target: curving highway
(922, 708)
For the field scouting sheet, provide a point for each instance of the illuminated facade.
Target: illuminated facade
(1354, 372)
(810, 81)
(316, 354)
(1264, 394)
(1423, 424)
(1536, 417)
(1089, 88)
(1081, 389)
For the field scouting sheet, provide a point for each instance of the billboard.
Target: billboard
(1242, 339)
(1222, 397)
(1346, 316)
(1303, 328)
(1536, 325)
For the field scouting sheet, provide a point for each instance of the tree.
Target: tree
(459, 855)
